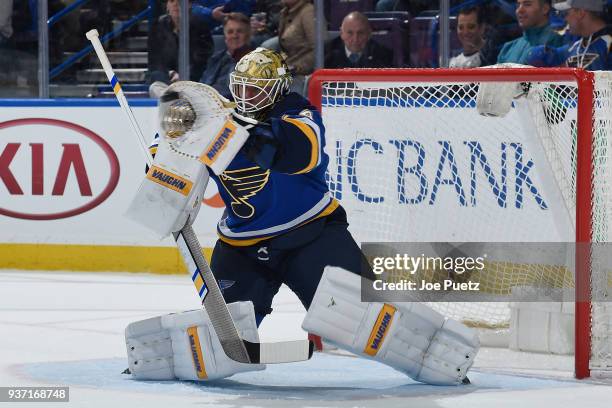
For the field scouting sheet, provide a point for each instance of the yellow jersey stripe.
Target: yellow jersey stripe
(312, 137)
(248, 242)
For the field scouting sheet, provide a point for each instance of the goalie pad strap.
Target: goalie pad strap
(183, 346)
(410, 337)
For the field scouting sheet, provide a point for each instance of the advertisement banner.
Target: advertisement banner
(68, 172)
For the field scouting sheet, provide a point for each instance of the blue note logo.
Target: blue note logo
(242, 185)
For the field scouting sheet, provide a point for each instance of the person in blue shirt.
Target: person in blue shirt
(213, 12)
(204, 10)
(532, 16)
(586, 19)
(281, 225)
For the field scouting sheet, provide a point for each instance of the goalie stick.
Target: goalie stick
(206, 285)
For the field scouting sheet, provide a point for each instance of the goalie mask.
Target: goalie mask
(259, 80)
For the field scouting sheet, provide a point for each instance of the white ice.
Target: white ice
(66, 329)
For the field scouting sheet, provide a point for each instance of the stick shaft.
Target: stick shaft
(112, 78)
(210, 295)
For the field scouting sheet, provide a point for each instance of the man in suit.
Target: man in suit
(354, 48)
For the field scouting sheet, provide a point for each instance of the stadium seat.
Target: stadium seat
(340, 8)
(393, 34)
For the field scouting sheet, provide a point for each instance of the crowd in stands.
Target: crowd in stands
(541, 33)
(237, 34)
(289, 25)
(591, 50)
(354, 48)
(163, 45)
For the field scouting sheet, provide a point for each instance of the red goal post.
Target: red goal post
(369, 93)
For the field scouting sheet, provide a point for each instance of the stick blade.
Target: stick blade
(279, 352)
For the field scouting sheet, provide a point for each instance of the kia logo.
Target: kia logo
(59, 162)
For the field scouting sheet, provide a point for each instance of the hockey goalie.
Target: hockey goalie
(281, 225)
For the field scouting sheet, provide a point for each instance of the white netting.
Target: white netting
(415, 162)
(601, 282)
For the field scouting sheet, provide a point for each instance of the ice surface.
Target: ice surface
(67, 329)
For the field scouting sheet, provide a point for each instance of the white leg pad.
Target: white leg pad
(184, 346)
(410, 337)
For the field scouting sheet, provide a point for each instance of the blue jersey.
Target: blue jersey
(262, 203)
(591, 53)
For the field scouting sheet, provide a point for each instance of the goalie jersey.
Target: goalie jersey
(264, 203)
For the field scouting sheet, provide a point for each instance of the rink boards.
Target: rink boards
(68, 171)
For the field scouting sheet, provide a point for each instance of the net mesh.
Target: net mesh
(601, 286)
(415, 162)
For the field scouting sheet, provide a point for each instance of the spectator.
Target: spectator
(532, 16)
(237, 33)
(213, 12)
(6, 27)
(264, 21)
(295, 40)
(497, 31)
(264, 16)
(296, 34)
(470, 31)
(354, 48)
(237, 6)
(163, 46)
(203, 11)
(586, 19)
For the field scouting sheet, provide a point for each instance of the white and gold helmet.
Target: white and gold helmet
(259, 80)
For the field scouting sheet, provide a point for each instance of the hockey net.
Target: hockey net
(411, 160)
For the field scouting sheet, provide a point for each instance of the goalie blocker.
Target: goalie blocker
(410, 337)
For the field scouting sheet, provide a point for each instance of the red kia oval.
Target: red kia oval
(98, 140)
